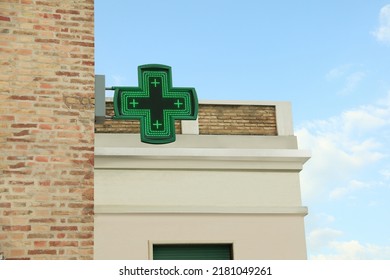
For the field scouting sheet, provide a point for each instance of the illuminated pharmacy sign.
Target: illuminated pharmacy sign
(156, 104)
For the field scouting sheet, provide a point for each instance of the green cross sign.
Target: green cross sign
(156, 104)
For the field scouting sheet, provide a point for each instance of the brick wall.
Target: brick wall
(46, 126)
(237, 120)
(213, 119)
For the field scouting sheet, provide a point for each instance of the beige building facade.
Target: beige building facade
(231, 177)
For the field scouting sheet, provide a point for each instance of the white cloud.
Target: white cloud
(382, 33)
(326, 218)
(342, 146)
(348, 75)
(349, 164)
(385, 173)
(364, 119)
(385, 100)
(352, 81)
(354, 250)
(353, 186)
(321, 237)
(323, 245)
(338, 72)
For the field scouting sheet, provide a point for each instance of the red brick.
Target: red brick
(64, 228)
(80, 235)
(3, 236)
(17, 253)
(59, 159)
(45, 183)
(61, 213)
(88, 195)
(41, 158)
(19, 189)
(5, 205)
(67, 73)
(63, 11)
(7, 118)
(21, 97)
(66, 134)
(43, 220)
(90, 63)
(16, 228)
(22, 133)
(19, 158)
(66, 113)
(63, 243)
(83, 44)
(46, 27)
(80, 19)
(87, 228)
(25, 51)
(19, 140)
(40, 244)
(88, 211)
(80, 205)
(45, 126)
(18, 165)
(89, 38)
(40, 235)
(87, 243)
(44, 85)
(47, 41)
(24, 125)
(17, 212)
(42, 252)
(82, 148)
(47, 3)
(78, 220)
(61, 235)
(66, 183)
(53, 16)
(3, 18)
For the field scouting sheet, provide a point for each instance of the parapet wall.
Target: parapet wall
(225, 118)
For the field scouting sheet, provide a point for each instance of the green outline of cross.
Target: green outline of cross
(182, 96)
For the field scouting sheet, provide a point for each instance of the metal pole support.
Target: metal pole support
(100, 98)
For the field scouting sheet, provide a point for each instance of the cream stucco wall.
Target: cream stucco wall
(200, 188)
(243, 190)
(254, 236)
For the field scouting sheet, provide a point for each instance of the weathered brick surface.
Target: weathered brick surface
(46, 129)
(237, 120)
(213, 120)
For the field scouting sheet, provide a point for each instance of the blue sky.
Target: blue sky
(331, 59)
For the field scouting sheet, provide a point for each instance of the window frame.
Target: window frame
(192, 242)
